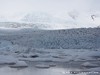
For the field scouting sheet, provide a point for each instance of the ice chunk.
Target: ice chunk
(42, 66)
(7, 59)
(29, 55)
(88, 64)
(19, 64)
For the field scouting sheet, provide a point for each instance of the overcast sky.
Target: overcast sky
(9, 7)
(15, 10)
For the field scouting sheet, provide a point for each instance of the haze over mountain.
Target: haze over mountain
(56, 14)
(73, 19)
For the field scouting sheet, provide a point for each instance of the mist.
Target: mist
(16, 10)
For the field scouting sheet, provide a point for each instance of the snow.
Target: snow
(42, 66)
(30, 55)
(40, 20)
(88, 64)
(19, 64)
(7, 59)
(95, 54)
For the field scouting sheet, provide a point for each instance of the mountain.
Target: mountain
(39, 20)
(38, 17)
(3, 19)
(26, 25)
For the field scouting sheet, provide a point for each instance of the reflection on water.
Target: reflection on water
(35, 71)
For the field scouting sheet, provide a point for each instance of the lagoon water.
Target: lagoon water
(34, 71)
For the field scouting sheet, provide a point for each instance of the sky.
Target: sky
(13, 9)
(9, 7)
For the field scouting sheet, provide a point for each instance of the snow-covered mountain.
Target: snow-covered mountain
(46, 20)
(73, 19)
(3, 19)
(37, 18)
(28, 25)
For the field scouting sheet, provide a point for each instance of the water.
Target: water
(35, 71)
